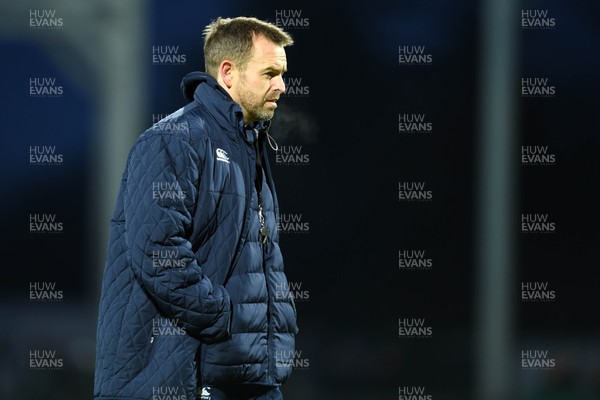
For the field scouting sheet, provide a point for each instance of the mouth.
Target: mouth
(272, 103)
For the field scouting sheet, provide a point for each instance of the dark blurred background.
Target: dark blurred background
(81, 80)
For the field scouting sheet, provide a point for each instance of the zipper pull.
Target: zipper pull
(264, 230)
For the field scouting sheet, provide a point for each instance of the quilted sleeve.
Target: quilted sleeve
(160, 197)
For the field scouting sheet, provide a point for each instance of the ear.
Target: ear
(226, 71)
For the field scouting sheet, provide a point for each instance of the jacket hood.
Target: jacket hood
(203, 88)
(190, 82)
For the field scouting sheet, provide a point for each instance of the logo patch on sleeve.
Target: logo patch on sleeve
(222, 155)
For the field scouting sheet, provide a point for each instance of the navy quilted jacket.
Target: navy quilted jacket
(190, 295)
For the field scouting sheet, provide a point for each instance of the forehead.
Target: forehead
(266, 53)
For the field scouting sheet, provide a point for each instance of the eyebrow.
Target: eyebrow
(274, 69)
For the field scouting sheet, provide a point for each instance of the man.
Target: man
(190, 304)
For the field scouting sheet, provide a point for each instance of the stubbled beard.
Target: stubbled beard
(254, 105)
(260, 115)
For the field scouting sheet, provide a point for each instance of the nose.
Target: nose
(279, 85)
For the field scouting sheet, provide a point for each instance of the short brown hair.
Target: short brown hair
(231, 39)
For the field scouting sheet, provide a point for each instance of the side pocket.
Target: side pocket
(150, 347)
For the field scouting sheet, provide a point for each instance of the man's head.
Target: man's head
(247, 57)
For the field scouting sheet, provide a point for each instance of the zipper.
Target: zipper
(264, 233)
(264, 230)
(269, 327)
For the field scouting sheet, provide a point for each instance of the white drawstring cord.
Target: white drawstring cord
(272, 141)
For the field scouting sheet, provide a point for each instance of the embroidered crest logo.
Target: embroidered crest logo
(222, 155)
(205, 394)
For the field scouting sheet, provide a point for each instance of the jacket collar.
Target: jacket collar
(204, 89)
